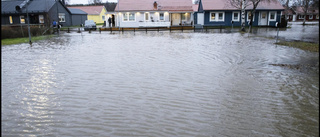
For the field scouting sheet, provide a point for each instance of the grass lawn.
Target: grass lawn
(313, 47)
(23, 40)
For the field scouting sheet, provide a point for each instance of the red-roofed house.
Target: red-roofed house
(154, 13)
(312, 14)
(221, 12)
(95, 13)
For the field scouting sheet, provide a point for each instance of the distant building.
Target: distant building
(222, 13)
(78, 16)
(41, 12)
(298, 14)
(95, 13)
(159, 13)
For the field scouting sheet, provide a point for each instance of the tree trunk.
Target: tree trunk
(243, 14)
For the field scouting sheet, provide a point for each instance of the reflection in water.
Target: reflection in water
(158, 84)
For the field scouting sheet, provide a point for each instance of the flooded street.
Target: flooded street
(158, 84)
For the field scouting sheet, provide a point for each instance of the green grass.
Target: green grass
(24, 40)
(313, 47)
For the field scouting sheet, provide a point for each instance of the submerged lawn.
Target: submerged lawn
(23, 40)
(313, 47)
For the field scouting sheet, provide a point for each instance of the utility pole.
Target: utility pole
(28, 25)
(118, 14)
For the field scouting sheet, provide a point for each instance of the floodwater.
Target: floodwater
(158, 84)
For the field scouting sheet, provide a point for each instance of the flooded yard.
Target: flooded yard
(158, 84)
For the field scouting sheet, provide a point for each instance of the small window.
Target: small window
(301, 16)
(217, 16)
(310, 16)
(103, 18)
(125, 17)
(131, 17)
(41, 19)
(317, 16)
(272, 16)
(161, 16)
(62, 17)
(22, 20)
(10, 20)
(249, 16)
(146, 16)
(236, 16)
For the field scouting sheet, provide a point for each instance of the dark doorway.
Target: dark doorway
(34, 19)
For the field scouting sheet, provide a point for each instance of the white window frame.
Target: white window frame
(127, 16)
(310, 16)
(275, 16)
(248, 16)
(301, 16)
(41, 19)
(216, 17)
(10, 20)
(147, 13)
(24, 20)
(62, 17)
(163, 17)
(238, 16)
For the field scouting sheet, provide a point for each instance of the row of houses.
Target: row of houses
(296, 13)
(140, 13)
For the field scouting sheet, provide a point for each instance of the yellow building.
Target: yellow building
(95, 13)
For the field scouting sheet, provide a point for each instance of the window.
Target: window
(10, 19)
(249, 16)
(310, 16)
(161, 16)
(272, 16)
(129, 17)
(62, 17)
(103, 18)
(22, 20)
(41, 19)
(317, 16)
(146, 16)
(236, 16)
(217, 16)
(301, 17)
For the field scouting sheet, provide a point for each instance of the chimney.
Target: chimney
(155, 5)
(19, 7)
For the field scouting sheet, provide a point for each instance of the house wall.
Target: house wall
(34, 18)
(140, 19)
(228, 18)
(78, 19)
(98, 17)
(53, 14)
(314, 18)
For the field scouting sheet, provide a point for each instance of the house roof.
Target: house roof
(91, 10)
(77, 11)
(299, 10)
(225, 5)
(195, 7)
(110, 6)
(34, 6)
(148, 5)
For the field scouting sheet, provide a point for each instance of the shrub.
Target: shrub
(21, 31)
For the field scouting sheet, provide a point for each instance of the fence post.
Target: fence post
(100, 30)
(146, 30)
(134, 29)
(89, 30)
(220, 28)
(79, 30)
(182, 28)
(158, 29)
(68, 30)
(206, 28)
(170, 28)
(122, 30)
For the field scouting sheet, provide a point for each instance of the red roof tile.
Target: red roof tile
(147, 5)
(91, 10)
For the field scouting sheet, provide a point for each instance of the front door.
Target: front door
(200, 19)
(176, 18)
(263, 19)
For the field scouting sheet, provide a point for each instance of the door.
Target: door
(176, 18)
(263, 19)
(200, 19)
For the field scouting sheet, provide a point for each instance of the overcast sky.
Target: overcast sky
(86, 1)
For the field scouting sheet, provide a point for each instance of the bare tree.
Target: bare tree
(240, 4)
(306, 6)
(286, 5)
(94, 2)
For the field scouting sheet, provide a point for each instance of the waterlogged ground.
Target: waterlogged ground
(158, 84)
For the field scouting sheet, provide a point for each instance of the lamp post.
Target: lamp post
(28, 26)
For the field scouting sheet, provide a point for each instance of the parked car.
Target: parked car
(90, 25)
